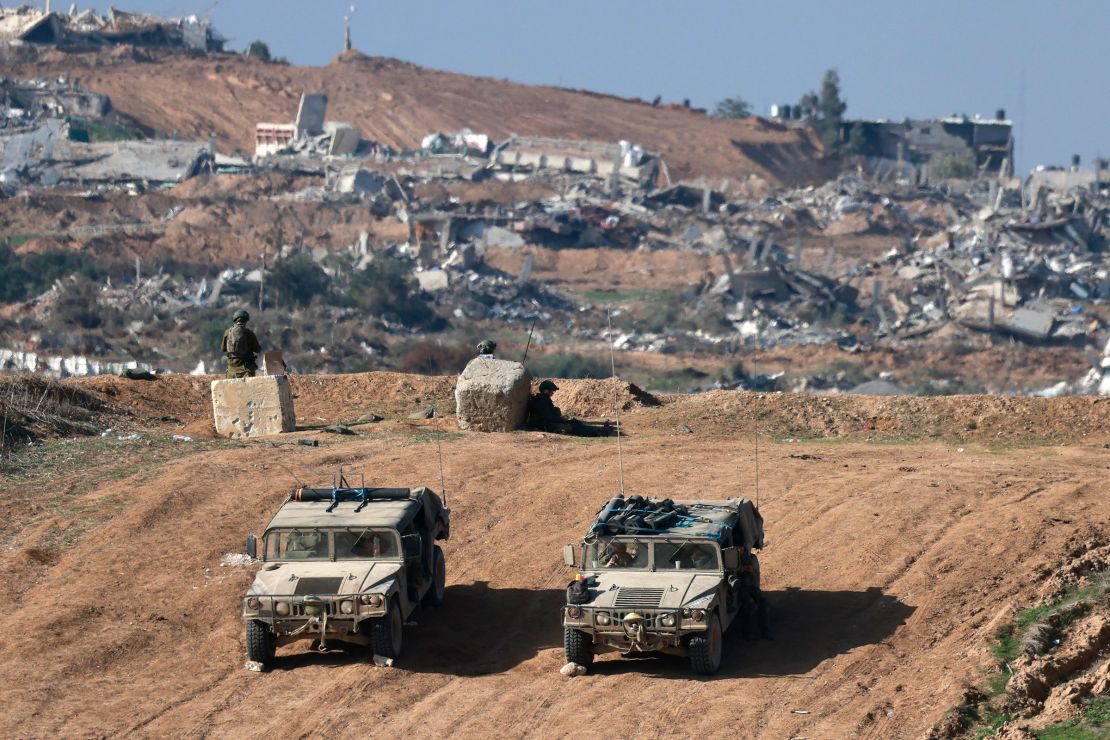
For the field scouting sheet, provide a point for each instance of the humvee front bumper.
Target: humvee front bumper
(290, 615)
(639, 630)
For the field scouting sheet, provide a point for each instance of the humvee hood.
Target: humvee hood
(323, 578)
(627, 591)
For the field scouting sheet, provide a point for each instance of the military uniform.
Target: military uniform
(543, 414)
(241, 365)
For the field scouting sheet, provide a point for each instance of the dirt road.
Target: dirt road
(886, 567)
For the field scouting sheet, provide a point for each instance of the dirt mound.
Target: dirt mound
(183, 403)
(988, 419)
(600, 398)
(32, 407)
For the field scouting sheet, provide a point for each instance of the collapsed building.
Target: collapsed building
(88, 29)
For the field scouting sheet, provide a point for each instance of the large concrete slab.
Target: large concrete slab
(253, 407)
(310, 114)
(492, 395)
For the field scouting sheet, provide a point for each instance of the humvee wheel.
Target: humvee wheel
(434, 597)
(706, 648)
(385, 633)
(260, 643)
(578, 647)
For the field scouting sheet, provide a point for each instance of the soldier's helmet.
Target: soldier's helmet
(487, 346)
(240, 314)
(547, 385)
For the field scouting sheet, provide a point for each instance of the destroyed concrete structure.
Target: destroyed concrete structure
(26, 24)
(989, 143)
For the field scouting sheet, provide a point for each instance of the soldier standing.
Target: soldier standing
(241, 347)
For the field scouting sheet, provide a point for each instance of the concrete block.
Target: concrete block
(492, 395)
(310, 114)
(273, 363)
(253, 407)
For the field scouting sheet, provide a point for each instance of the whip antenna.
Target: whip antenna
(613, 365)
(757, 470)
(439, 454)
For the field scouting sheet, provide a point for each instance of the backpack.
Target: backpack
(237, 344)
(578, 592)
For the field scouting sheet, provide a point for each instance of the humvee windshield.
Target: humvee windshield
(628, 553)
(332, 544)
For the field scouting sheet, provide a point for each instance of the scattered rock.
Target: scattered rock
(570, 670)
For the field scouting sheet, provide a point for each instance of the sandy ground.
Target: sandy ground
(887, 566)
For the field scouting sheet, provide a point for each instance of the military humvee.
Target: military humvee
(665, 576)
(349, 564)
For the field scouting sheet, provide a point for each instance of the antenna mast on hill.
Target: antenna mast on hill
(347, 29)
(613, 365)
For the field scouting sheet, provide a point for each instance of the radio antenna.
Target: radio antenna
(439, 441)
(757, 469)
(528, 346)
(439, 454)
(613, 366)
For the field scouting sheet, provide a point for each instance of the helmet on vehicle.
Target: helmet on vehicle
(240, 314)
(547, 385)
(487, 346)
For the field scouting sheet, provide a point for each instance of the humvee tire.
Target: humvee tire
(260, 643)
(385, 633)
(578, 647)
(435, 595)
(706, 647)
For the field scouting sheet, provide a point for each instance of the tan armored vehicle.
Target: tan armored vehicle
(349, 564)
(665, 576)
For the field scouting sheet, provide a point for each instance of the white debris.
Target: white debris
(254, 666)
(382, 662)
(570, 670)
(235, 559)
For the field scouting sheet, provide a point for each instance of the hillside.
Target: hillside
(888, 567)
(398, 103)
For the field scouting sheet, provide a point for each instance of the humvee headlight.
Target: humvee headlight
(375, 599)
(347, 606)
(667, 620)
(574, 612)
(253, 603)
(365, 598)
(698, 615)
(282, 608)
(685, 613)
(603, 619)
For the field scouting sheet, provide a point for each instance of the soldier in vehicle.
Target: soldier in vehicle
(752, 600)
(544, 415)
(486, 348)
(241, 347)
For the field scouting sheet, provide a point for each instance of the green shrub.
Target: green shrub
(571, 365)
(387, 288)
(297, 280)
(24, 276)
(952, 165)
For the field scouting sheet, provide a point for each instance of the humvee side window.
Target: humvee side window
(297, 544)
(685, 556)
(365, 543)
(614, 553)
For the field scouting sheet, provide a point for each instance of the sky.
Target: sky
(1046, 63)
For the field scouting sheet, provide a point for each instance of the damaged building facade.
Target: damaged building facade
(88, 29)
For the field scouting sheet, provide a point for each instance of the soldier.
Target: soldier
(240, 346)
(542, 411)
(486, 348)
(752, 601)
(543, 414)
